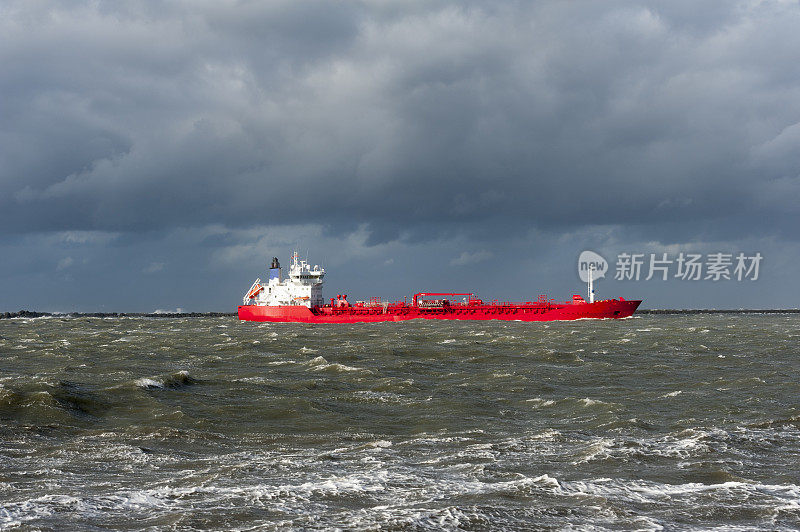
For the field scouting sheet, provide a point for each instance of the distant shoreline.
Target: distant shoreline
(719, 311)
(35, 314)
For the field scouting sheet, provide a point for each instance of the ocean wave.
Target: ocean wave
(586, 401)
(600, 448)
(146, 382)
(684, 444)
(50, 402)
(771, 497)
(538, 402)
(369, 396)
(321, 364)
(394, 430)
(175, 380)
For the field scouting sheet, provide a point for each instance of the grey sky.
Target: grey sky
(170, 149)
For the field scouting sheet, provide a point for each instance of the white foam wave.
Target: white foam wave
(598, 449)
(684, 445)
(546, 435)
(379, 397)
(175, 379)
(256, 380)
(146, 382)
(587, 402)
(649, 492)
(321, 364)
(397, 495)
(538, 402)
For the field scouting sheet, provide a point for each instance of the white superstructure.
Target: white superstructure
(303, 286)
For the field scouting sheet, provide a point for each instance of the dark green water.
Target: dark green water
(680, 422)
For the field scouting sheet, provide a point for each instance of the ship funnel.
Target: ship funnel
(275, 269)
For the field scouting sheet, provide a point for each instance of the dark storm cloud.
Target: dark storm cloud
(139, 138)
(409, 117)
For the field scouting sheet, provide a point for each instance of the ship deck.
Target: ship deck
(400, 311)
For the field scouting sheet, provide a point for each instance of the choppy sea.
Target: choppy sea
(671, 422)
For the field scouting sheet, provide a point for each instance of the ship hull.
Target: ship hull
(607, 309)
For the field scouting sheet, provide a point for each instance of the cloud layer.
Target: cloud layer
(399, 123)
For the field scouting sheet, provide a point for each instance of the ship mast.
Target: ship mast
(591, 286)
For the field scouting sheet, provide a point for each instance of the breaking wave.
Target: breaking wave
(179, 379)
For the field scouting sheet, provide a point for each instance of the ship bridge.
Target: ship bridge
(302, 272)
(303, 286)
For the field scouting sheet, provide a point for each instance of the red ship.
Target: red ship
(298, 298)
